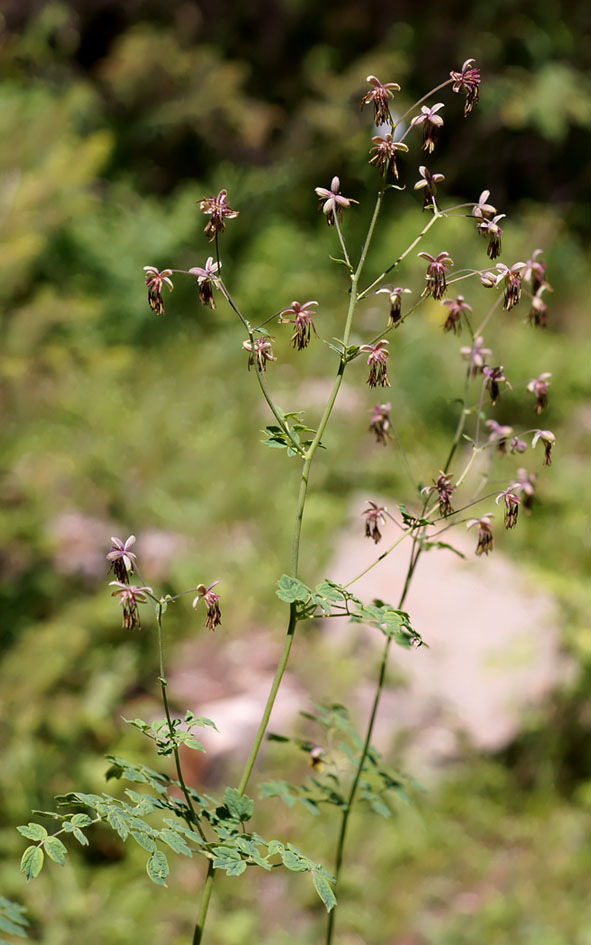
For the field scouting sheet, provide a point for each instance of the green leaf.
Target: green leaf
(342, 262)
(157, 868)
(443, 546)
(32, 862)
(292, 861)
(118, 822)
(239, 805)
(12, 919)
(80, 820)
(175, 842)
(229, 860)
(33, 831)
(324, 890)
(55, 850)
(80, 837)
(291, 590)
(144, 840)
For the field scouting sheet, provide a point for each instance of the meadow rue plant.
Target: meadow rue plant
(161, 812)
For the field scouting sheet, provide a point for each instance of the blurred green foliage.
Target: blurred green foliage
(112, 128)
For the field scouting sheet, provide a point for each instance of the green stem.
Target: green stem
(204, 904)
(424, 231)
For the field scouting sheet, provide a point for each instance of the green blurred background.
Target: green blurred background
(115, 118)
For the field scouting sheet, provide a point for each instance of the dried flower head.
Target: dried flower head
(395, 298)
(333, 202)
(155, 280)
(444, 489)
(211, 601)
(380, 422)
(499, 434)
(467, 80)
(485, 535)
(455, 307)
(384, 153)
(378, 363)
(263, 352)
(476, 354)
(122, 558)
(539, 387)
(428, 182)
(302, 319)
(494, 377)
(207, 279)
(431, 123)
(130, 595)
(219, 211)
(548, 439)
(374, 516)
(511, 500)
(379, 95)
(436, 284)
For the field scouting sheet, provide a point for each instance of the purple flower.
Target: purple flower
(333, 202)
(455, 307)
(262, 352)
(385, 153)
(499, 434)
(467, 80)
(511, 500)
(494, 377)
(155, 281)
(211, 601)
(485, 535)
(431, 123)
(476, 353)
(130, 595)
(374, 516)
(395, 298)
(483, 210)
(517, 445)
(444, 489)
(207, 280)
(379, 95)
(219, 211)
(512, 277)
(534, 272)
(539, 387)
(548, 439)
(538, 313)
(435, 275)
(122, 558)
(492, 230)
(428, 183)
(302, 319)
(380, 422)
(378, 364)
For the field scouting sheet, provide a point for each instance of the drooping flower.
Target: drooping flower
(428, 183)
(380, 422)
(511, 500)
(455, 307)
(333, 202)
(207, 279)
(483, 210)
(431, 123)
(444, 489)
(485, 535)
(374, 516)
(263, 352)
(211, 601)
(548, 439)
(535, 271)
(384, 153)
(476, 354)
(467, 80)
(130, 595)
(499, 434)
(525, 482)
(436, 283)
(378, 363)
(395, 298)
(539, 387)
(379, 95)
(219, 211)
(517, 445)
(538, 313)
(302, 319)
(512, 277)
(122, 558)
(492, 230)
(155, 280)
(494, 377)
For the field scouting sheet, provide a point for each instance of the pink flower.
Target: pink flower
(122, 558)
(262, 352)
(380, 422)
(379, 95)
(435, 275)
(428, 183)
(493, 231)
(303, 323)
(494, 377)
(374, 516)
(485, 535)
(130, 595)
(455, 307)
(377, 361)
(444, 489)
(211, 601)
(332, 201)
(476, 353)
(467, 80)
(512, 277)
(548, 439)
(499, 434)
(385, 153)
(431, 123)
(511, 500)
(395, 298)
(483, 210)
(219, 211)
(155, 281)
(207, 279)
(539, 387)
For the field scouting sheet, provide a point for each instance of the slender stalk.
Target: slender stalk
(436, 216)
(416, 105)
(204, 904)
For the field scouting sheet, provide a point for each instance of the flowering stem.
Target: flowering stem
(416, 105)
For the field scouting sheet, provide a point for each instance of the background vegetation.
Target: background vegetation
(115, 118)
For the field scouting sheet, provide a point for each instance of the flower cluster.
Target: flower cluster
(444, 489)
(378, 364)
(130, 595)
(436, 283)
(155, 280)
(379, 94)
(218, 210)
(384, 153)
(467, 80)
(455, 307)
(302, 319)
(122, 558)
(260, 353)
(211, 601)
